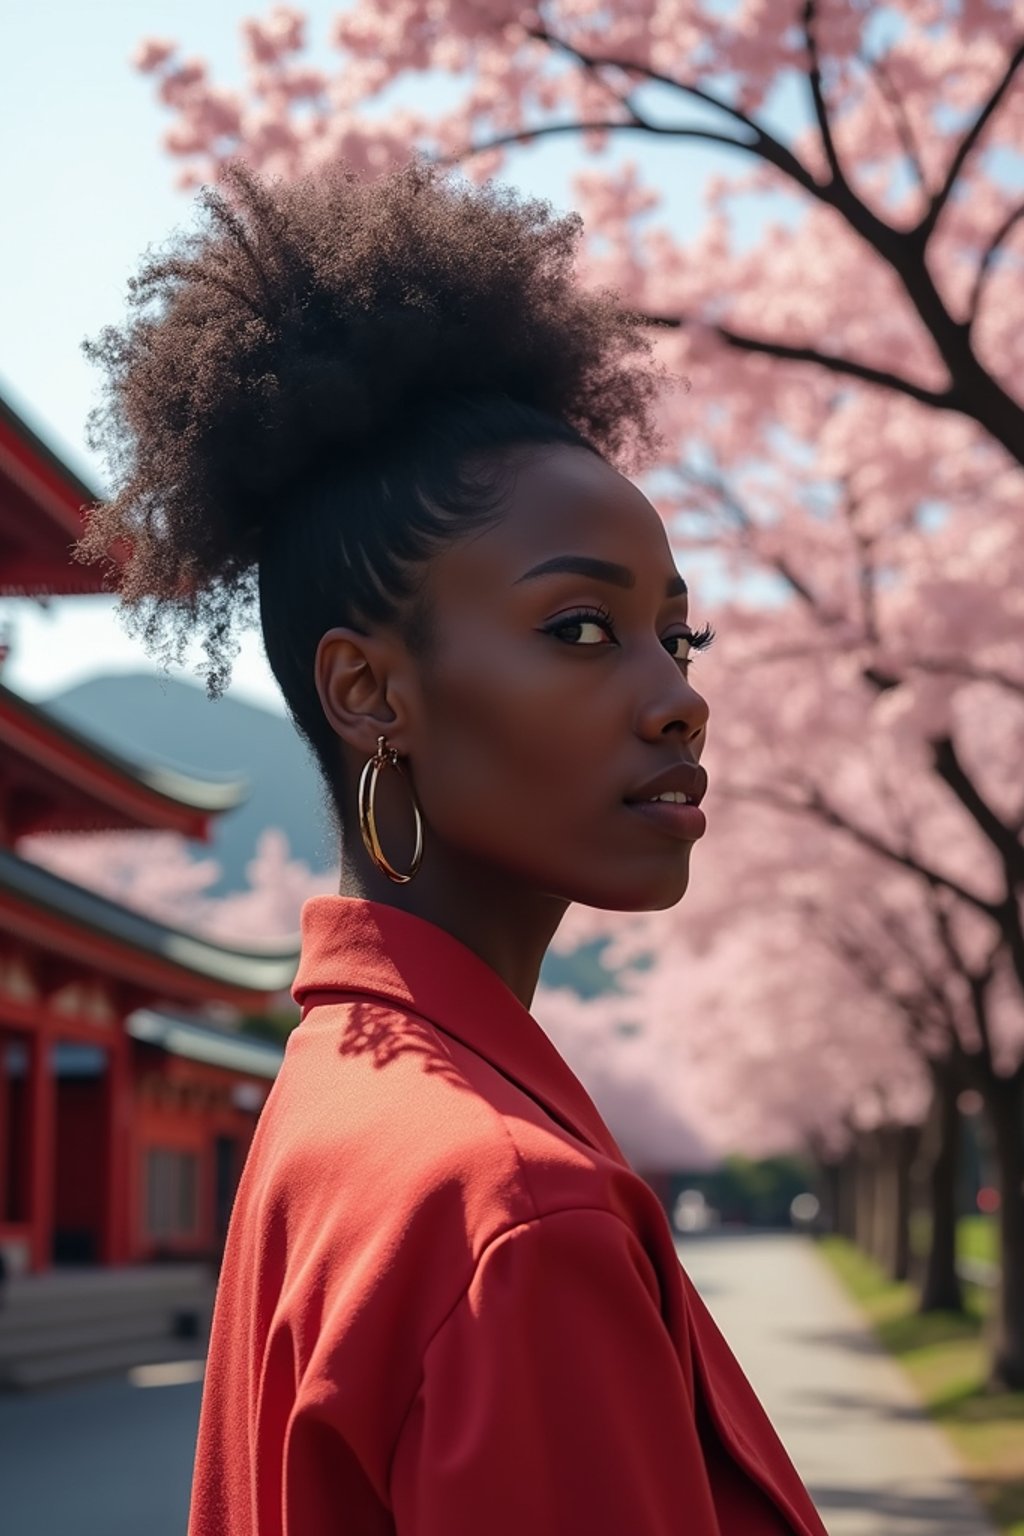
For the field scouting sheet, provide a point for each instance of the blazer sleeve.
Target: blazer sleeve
(552, 1398)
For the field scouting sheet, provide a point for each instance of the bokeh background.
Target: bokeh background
(817, 1060)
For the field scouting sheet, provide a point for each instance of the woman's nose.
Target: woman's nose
(678, 707)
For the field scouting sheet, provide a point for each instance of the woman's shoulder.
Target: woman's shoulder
(376, 1110)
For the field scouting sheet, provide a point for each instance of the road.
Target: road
(104, 1458)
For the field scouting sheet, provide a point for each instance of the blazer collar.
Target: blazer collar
(353, 946)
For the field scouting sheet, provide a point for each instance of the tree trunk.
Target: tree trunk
(883, 1222)
(1004, 1099)
(846, 1220)
(866, 1190)
(830, 1193)
(906, 1139)
(891, 1212)
(940, 1153)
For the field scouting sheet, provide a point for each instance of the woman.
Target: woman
(448, 1306)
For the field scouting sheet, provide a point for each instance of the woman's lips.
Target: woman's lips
(685, 821)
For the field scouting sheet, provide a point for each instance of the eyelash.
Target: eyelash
(699, 639)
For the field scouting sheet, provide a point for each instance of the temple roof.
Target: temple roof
(199, 1040)
(57, 779)
(41, 503)
(84, 928)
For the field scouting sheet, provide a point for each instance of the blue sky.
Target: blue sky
(85, 187)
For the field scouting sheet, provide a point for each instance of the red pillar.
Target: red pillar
(41, 1151)
(117, 1119)
(5, 1172)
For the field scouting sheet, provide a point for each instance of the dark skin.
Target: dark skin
(521, 738)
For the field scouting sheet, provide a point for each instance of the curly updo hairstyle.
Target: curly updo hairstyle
(322, 384)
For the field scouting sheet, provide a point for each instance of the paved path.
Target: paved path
(846, 1414)
(104, 1458)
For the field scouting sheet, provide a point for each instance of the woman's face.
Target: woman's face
(551, 698)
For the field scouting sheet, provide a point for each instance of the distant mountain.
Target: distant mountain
(146, 717)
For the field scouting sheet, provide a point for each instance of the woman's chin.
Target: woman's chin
(641, 895)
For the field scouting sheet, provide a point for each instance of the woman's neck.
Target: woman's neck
(507, 925)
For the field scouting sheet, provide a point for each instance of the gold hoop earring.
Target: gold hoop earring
(367, 821)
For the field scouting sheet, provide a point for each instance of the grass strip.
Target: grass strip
(945, 1356)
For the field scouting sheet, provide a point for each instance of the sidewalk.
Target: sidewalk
(874, 1464)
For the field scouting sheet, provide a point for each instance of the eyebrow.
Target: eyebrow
(600, 570)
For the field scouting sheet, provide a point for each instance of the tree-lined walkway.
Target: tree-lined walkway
(874, 1463)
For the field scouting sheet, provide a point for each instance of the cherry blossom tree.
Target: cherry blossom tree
(157, 873)
(914, 766)
(894, 249)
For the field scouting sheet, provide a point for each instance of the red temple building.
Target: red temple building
(127, 1099)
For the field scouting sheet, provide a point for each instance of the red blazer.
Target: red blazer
(448, 1306)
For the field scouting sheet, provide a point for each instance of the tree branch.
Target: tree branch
(967, 143)
(971, 673)
(764, 144)
(818, 96)
(817, 807)
(974, 979)
(924, 1004)
(985, 265)
(864, 547)
(977, 988)
(973, 391)
(941, 400)
(730, 501)
(847, 366)
(904, 131)
(635, 124)
(950, 769)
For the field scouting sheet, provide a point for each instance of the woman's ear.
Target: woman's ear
(354, 674)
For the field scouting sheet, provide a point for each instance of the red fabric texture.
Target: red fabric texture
(448, 1306)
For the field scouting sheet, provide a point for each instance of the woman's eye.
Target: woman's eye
(694, 640)
(582, 632)
(583, 629)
